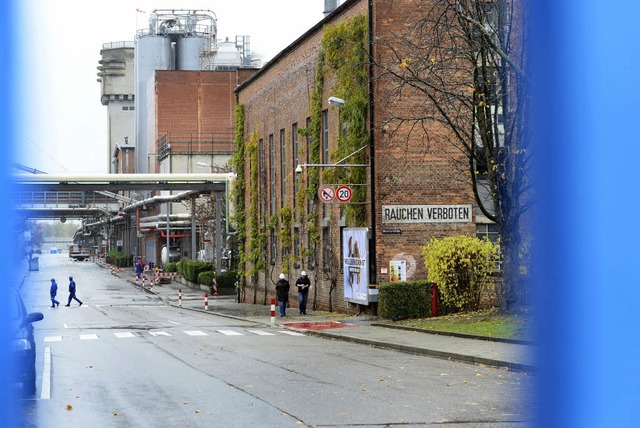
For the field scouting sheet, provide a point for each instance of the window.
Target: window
(312, 252)
(309, 200)
(325, 136)
(296, 247)
(125, 108)
(487, 230)
(263, 173)
(294, 137)
(274, 244)
(283, 171)
(272, 175)
(131, 108)
(326, 249)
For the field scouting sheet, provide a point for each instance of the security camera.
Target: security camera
(335, 101)
(299, 169)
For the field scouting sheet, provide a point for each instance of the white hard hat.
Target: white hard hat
(303, 273)
(282, 276)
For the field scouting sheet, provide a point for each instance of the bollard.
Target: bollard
(206, 301)
(273, 312)
(434, 299)
(179, 296)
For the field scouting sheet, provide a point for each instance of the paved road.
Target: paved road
(126, 358)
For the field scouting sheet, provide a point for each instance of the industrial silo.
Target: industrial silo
(189, 50)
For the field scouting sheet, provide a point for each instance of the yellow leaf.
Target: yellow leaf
(69, 407)
(116, 413)
(197, 411)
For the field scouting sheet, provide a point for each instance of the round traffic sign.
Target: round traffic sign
(326, 193)
(344, 193)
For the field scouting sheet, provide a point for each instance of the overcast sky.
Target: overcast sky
(63, 124)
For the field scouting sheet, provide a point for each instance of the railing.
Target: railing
(195, 142)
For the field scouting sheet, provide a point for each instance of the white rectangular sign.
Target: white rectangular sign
(427, 214)
(356, 264)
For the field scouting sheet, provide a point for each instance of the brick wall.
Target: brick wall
(409, 169)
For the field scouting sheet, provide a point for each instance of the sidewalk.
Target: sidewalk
(362, 329)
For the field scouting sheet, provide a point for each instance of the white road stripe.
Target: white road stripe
(195, 333)
(124, 335)
(45, 391)
(230, 332)
(88, 336)
(261, 332)
(159, 333)
(53, 338)
(173, 322)
(291, 333)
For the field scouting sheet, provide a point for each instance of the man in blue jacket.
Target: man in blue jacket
(54, 291)
(72, 292)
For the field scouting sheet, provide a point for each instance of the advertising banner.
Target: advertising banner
(356, 264)
(397, 270)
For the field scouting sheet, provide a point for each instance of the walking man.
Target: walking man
(54, 291)
(303, 283)
(72, 292)
(282, 293)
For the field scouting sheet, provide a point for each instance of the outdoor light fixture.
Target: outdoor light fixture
(335, 101)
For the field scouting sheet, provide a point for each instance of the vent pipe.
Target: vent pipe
(330, 6)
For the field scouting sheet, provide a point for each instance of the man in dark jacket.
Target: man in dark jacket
(72, 292)
(54, 291)
(282, 293)
(303, 283)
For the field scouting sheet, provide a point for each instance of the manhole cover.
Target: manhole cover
(319, 325)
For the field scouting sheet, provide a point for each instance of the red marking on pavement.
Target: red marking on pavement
(320, 325)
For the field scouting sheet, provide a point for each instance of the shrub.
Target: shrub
(119, 259)
(205, 278)
(170, 267)
(190, 269)
(461, 266)
(407, 299)
(227, 279)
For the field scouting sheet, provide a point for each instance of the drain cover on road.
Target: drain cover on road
(319, 325)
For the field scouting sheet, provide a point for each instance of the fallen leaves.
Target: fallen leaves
(69, 407)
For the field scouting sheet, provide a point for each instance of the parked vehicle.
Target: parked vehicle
(23, 345)
(76, 252)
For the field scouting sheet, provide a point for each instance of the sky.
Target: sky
(63, 125)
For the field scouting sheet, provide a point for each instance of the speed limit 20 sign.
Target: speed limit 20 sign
(344, 193)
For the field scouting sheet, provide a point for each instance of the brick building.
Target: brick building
(413, 189)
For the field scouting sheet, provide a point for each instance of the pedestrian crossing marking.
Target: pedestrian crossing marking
(230, 332)
(195, 333)
(159, 333)
(53, 338)
(88, 336)
(124, 335)
(261, 332)
(290, 333)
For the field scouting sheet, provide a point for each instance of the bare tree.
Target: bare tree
(467, 61)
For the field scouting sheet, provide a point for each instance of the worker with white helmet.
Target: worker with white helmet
(282, 293)
(303, 283)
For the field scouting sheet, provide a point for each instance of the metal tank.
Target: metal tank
(153, 52)
(228, 55)
(189, 51)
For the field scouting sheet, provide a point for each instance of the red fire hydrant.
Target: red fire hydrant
(434, 299)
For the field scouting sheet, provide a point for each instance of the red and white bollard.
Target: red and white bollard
(206, 301)
(179, 296)
(273, 312)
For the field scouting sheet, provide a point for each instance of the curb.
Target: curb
(460, 335)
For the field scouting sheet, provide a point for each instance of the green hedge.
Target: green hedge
(190, 269)
(227, 279)
(170, 267)
(205, 278)
(409, 299)
(119, 259)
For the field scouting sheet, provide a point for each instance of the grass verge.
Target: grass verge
(488, 323)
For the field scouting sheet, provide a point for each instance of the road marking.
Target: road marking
(124, 335)
(195, 333)
(45, 391)
(159, 333)
(53, 338)
(66, 325)
(290, 333)
(88, 336)
(261, 333)
(173, 322)
(230, 332)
